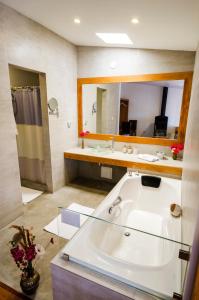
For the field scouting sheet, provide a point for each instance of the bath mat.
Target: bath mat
(66, 231)
(29, 194)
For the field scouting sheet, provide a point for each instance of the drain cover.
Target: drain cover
(127, 234)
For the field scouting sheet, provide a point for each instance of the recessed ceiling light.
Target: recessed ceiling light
(77, 21)
(115, 38)
(135, 21)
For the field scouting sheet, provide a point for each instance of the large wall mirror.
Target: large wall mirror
(141, 109)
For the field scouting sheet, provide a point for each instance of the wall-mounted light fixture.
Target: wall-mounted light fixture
(94, 108)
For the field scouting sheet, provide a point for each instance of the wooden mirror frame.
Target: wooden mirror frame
(186, 76)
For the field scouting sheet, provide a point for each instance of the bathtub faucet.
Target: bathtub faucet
(130, 173)
(115, 203)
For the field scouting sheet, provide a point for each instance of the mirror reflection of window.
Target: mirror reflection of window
(146, 109)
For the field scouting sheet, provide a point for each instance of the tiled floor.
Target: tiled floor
(39, 213)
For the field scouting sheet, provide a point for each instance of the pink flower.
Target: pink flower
(84, 133)
(30, 253)
(17, 254)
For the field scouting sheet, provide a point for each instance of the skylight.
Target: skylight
(115, 38)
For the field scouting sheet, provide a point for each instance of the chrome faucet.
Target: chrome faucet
(130, 173)
(115, 203)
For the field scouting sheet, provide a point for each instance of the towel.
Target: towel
(67, 223)
(148, 157)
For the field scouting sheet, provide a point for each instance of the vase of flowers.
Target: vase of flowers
(30, 283)
(176, 149)
(82, 135)
(24, 251)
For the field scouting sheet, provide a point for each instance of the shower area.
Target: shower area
(27, 109)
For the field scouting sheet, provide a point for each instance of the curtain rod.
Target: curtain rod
(24, 87)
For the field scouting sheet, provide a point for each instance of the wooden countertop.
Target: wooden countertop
(118, 158)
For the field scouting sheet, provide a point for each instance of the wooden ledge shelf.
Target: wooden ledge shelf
(125, 160)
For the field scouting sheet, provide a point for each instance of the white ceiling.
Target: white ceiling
(164, 24)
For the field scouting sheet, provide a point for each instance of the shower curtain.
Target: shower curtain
(28, 116)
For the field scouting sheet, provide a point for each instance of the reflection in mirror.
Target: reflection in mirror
(101, 108)
(146, 109)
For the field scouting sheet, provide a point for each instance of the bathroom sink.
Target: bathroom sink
(100, 150)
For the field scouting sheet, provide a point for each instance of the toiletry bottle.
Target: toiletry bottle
(124, 150)
(129, 150)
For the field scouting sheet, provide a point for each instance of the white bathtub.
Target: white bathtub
(134, 243)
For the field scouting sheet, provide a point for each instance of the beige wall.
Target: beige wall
(27, 44)
(10, 196)
(190, 179)
(98, 61)
(22, 78)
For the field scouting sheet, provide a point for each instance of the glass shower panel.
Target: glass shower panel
(145, 261)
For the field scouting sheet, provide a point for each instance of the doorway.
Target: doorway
(30, 113)
(124, 110)
(101, 110)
